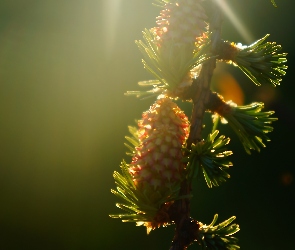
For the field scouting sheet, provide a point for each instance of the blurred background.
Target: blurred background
(64, 66)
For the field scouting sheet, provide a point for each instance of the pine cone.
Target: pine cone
(157, 167)
(162, 132)
(175, 49)
(180, 26)
(182, 22)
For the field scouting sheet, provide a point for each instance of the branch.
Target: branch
(186, 227)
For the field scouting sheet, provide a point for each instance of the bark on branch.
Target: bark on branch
(186, 227)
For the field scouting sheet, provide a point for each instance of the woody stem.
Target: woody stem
(186, 227)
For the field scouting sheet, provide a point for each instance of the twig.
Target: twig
(186, 227)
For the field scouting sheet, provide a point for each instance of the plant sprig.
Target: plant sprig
(219, 237)
(210, 157)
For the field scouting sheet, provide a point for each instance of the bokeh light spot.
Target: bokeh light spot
(267, 94)
(287, 178)
(227, 86)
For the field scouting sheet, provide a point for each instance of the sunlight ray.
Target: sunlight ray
(112, 14)
(235, 21)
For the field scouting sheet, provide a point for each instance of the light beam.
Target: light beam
(240, 27)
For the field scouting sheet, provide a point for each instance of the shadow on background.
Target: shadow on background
(64, 66)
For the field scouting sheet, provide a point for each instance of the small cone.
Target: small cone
(182, 22)
(157, 167)
(162, 132)
(175, 49)
(180, 26)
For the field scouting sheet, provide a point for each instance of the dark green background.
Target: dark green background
(64, 66)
